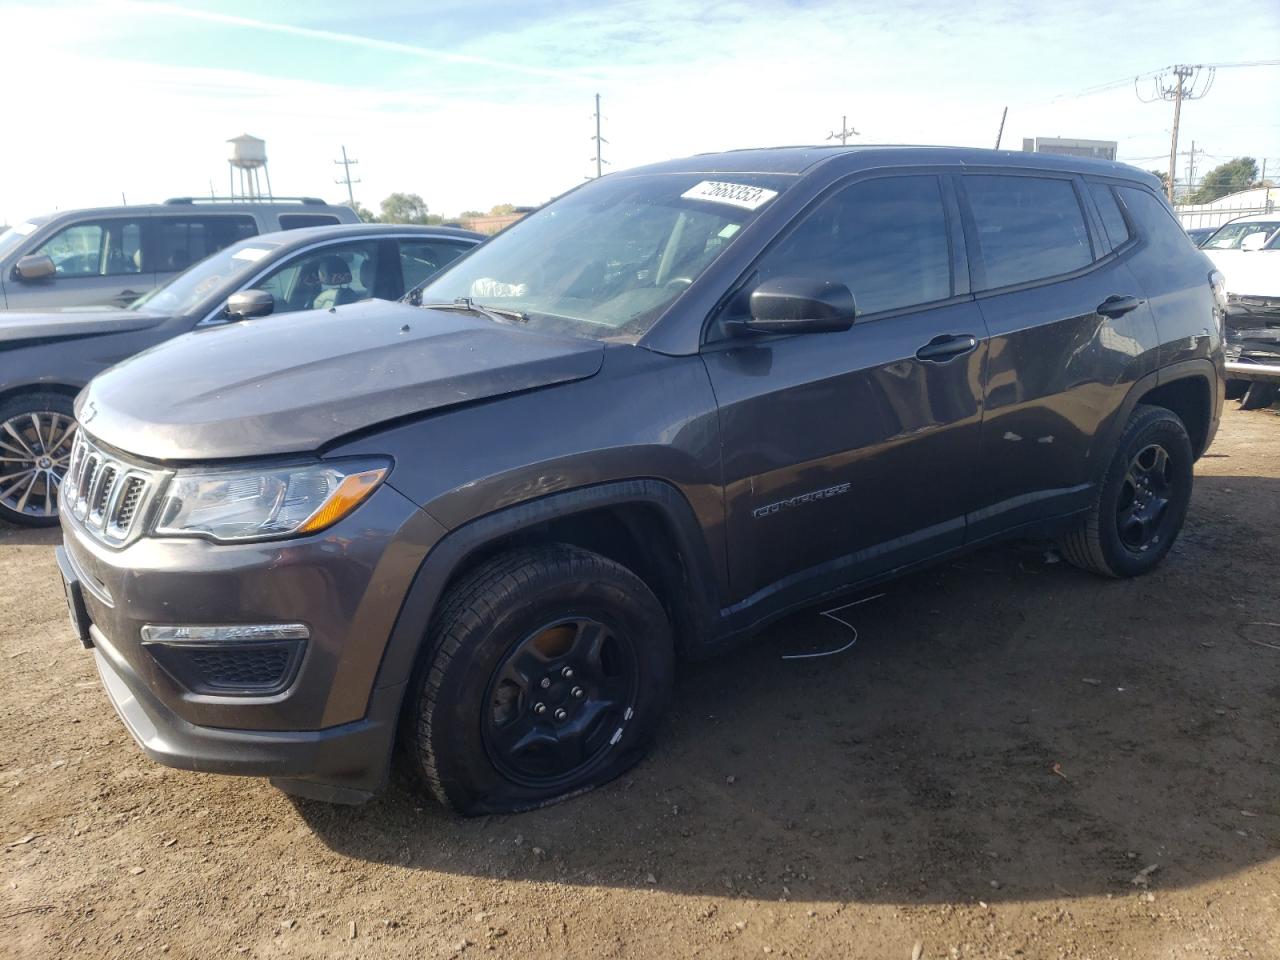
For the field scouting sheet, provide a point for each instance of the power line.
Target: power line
(346, 163)
(1178, 83)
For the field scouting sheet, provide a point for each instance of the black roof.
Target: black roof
(795, 161)
(304, 235)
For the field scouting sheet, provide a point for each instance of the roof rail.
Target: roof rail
(310, 201)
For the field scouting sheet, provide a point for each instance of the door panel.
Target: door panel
(845, 455)
(1058, 369)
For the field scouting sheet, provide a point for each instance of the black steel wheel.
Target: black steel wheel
(36, 433)
(1143, 505)
(1142, 499)
(557, 700)
(545, 673)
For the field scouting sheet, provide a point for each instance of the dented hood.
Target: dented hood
(294, 383)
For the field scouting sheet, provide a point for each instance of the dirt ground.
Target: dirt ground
(1016, 759)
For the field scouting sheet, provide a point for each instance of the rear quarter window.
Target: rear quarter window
(1029, 228)
(1155, 221)
(1109, 210)
(292, 221)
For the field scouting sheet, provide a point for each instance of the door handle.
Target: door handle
(126, 297)
(943, 348)
(1117, 306)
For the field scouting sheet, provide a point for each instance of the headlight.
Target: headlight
(260, 504)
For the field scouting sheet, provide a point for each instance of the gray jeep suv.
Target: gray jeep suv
(654, 415)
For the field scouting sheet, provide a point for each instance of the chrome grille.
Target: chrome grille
(105, 493)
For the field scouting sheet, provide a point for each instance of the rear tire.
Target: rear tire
(36, 433)
(1141, 502)
(546, 674)
(1259, 396)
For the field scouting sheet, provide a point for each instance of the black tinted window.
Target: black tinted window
(1156, 223)
(885, 239)
(291, 221)
(1112, 218)
(420, 259)
(1029, 228)
(182, 241)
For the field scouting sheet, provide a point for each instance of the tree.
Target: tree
(1230, 177)
(470, 214)
(1164, 179)
(404, 208)
(502, 210)
(364, 213)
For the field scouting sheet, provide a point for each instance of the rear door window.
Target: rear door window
(1029, 228)
(99, 248)
(179, 242)
(292, 221)
(885, 239)
(420, 259)
(1109, 210)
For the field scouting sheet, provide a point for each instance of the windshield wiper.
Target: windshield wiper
(498, 314)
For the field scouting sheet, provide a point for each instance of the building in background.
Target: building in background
(1262, 199)
(1098, 149)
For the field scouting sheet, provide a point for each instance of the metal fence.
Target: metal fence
(1215, 214)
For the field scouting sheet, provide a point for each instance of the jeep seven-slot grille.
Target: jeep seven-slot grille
(104, 492)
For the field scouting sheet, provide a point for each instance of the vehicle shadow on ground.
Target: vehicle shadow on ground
(1005, 728)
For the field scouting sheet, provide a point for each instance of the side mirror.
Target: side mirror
(1254, 241)
(35, 266)
(800, 305)
(249, 303)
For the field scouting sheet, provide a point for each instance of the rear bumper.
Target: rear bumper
(342, 764)
(1261, 372)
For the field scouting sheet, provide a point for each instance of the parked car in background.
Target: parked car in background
(663, 410)
(1252, 280)
(1199, 235)
(110, 256)
(1260, 226)
(45, 358)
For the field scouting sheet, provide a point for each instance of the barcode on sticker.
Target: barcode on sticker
(735, 194)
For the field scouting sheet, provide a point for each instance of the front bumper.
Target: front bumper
(1246, 370)
(343, 764)
(329, 734)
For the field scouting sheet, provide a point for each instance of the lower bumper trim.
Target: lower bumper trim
(346, 764)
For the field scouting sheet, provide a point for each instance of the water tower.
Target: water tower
(248, 155)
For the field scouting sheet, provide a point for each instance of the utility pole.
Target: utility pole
(346, 164)
(1178, 83)
(1000, 132)
(1191, 167)
(600, 142)
(845, 132)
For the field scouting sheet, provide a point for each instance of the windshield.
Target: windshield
(187, 292)
(1229, 236)
(606, 260)
(10, 239)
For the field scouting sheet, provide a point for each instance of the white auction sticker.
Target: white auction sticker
(252, 254)
(735, 194)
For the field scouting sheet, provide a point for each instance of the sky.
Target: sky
(471, 103)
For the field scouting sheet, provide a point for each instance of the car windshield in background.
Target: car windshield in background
(1230, 236)
(609, 258)
(15, 235)
(186, 292)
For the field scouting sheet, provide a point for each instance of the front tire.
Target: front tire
(546, 674)
(1142, 501)
(36, 432)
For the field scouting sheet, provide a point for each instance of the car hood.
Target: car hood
(292, 384)
(1254, 273)
(83, 322)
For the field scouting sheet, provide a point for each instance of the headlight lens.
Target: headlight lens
(234, 505)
